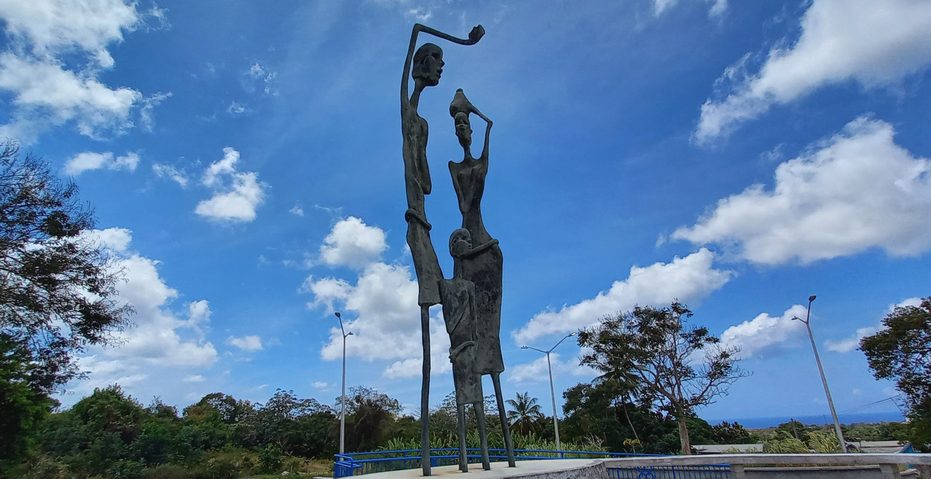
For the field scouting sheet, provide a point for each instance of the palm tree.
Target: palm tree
(524, 412)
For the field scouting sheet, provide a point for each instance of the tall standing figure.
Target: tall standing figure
(483, 263)
(427, 65)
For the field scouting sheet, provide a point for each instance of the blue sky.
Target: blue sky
(244, 162)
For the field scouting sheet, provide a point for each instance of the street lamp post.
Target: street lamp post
(549, 366)
(342, 401)
(824, 380)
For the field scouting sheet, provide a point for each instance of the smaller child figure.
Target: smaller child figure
(458, 297)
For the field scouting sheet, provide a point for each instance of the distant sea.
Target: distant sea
(852, 418)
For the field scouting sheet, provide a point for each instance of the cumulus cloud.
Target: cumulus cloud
(236, 195)
(873, 43)
(45, 91)
(765, 333)
(855, 191)
(537, 371)
(160, 340)
(848, 344)
(296, 210)
(249, 343)
(89, 161)
(380, 309)
(852, 342)
(352, 243)
(688, 279)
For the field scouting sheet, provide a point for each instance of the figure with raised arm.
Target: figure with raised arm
(482, 263)
(425, 66)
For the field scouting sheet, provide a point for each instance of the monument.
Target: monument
(471, 300)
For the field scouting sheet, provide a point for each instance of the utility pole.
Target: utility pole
(342, 401)
(549, 366)
(824, 380)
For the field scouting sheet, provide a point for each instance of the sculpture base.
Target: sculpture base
(545, 469)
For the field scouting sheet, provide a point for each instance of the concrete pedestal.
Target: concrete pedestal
(546, 469)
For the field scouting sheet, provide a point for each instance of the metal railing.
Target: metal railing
(739, 463)
(357, 463)
(711, 471)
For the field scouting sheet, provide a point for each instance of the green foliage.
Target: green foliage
(57, 294)
(525, 413)
(650, 352)
(730, 433)
(785, 445)
(270, 458)
(823, 442)
(901, 351)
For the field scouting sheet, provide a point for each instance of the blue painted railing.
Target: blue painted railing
(357, 463)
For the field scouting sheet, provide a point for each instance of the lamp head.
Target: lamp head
(796, 318)
(338, 316)
(811, 298)
(525, 347)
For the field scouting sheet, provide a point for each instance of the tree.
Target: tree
(57, 289)
(901, 351)
(369, 415)
(730, 433)
(524, 413)
(660, 350)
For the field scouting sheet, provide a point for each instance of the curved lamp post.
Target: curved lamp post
(342, 400)
(824, 380)
(549, 366)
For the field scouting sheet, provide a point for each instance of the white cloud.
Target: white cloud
(852, 342)
(326, 291)
(236, 194)
(873, 43)
(155, 345)
(112, 239)
(260, 78)
(235, 108)
(352, 243)
(45, 90)
(688, 279)
(718, 7)
(296, 210)
(537, 371)
(381, 310)
(162, 170)
(194, 378)
(855, 191)
(146, 118)
(249, 343)
(321, 385)
(89, 161)
(766, 333)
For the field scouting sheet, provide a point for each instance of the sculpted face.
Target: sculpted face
(428, 64)
(463, 129)
(460, 242)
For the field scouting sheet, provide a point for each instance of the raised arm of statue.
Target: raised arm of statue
(474, 36)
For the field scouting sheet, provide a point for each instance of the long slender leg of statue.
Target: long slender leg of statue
(463, 458)
(505, 430)
(425, 391)
(479, 408)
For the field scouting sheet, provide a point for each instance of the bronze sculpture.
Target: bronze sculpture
(482, 263)
(425, 67)
(459, 314)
